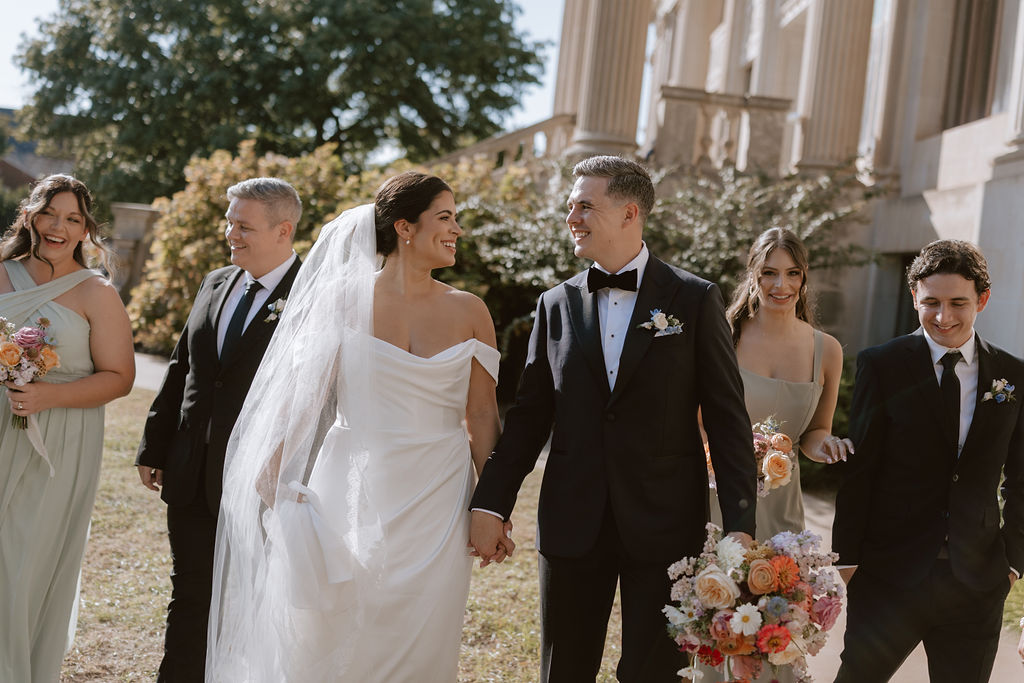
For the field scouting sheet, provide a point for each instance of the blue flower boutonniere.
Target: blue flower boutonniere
(663, 324)
(275, 309)
(1002, 391)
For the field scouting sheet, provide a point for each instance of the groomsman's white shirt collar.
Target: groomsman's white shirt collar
(967, 372)
(268, 282)
(614, 310)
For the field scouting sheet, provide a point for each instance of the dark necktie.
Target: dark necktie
(950, 386)
(598, 279)
(237, 323)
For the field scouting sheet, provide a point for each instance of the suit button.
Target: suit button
(218, 384)
(609, 417)
(956, 477)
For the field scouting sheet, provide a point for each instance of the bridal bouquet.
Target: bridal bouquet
(25, 354)
(775, 457)
(739, 610)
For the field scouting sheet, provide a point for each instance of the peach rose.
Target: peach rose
(781, 442)
(10, 354)
(762, 577)
(50, 358)
(715, 589)
(777, 469)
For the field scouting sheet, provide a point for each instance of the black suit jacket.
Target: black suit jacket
(203, 393)
(905, 491)
(638, 448)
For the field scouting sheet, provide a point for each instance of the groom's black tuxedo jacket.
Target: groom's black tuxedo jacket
(636, 449)
(202, 393)
(905, 490)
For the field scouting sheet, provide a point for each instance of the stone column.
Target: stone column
(1015, 152)
(880, 137)
(832, 72)
(606, 120)
(571, 57)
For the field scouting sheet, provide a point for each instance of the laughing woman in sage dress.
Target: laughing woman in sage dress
(790, 372)
(46, 502)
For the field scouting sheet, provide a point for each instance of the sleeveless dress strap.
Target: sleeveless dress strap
(819, 344)
(28, 297)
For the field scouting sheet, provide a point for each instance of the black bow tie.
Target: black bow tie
(598, 279)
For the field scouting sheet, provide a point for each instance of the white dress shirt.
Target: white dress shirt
(614, 310)
(269, 283)
(967, 372)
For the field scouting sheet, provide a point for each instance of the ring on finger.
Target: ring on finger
(21, 406)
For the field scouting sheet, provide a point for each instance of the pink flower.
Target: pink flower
(687, 642)
(761, 444)
(29, 337)
(826, 610)
(746, 668)
(719, 627)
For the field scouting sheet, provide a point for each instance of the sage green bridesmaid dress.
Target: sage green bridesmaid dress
(44, 519)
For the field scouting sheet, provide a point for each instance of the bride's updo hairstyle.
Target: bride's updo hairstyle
(404, 196)
(745, 300)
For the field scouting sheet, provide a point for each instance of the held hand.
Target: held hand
(1020, 645)
(486, 532)
(151, 477)
(29, 399)
(1013, 580)
(833, 449)
(846, 573)
(743, 537)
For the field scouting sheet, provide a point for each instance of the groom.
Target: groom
(621, 358)
(918, 510)
(207, 379)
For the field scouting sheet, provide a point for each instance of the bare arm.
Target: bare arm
(817, 441)
(113, 357)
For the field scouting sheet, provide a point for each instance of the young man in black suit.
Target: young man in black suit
(210, 371)
(917, 516)
(620, 360)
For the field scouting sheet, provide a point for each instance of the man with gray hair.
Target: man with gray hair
(213, 364)
(621, 358)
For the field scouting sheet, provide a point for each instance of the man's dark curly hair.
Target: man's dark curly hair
(950, 256)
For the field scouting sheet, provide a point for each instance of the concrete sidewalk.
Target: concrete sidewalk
(1008, 668)
(149, 371)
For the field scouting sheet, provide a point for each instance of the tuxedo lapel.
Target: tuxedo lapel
(259, 327)
(987, 370)
(586, 324)
(219, 296)
(922, 371)
(654, 292)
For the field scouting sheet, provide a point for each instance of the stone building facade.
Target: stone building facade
(927, 95)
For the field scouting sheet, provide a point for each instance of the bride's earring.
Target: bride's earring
(408, 242)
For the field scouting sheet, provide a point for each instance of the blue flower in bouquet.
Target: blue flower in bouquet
(776, 607)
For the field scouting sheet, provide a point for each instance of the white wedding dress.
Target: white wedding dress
(342, 539)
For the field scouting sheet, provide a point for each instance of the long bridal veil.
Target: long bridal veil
(288, 577)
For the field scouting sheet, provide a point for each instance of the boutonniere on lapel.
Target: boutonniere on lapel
(1002, 391)
(275, 309)
(663, 324)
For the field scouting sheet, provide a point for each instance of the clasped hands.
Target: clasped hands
(490, 538)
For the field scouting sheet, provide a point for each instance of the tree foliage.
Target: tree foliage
(134, 90)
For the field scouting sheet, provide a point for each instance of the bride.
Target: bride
(342, 540)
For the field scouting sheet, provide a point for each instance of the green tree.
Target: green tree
(134, 90)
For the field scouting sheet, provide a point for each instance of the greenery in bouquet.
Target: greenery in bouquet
(25, 354)
(739, 610)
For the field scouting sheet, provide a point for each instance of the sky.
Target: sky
(540, 20)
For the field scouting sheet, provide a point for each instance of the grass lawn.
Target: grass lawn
(126, 581)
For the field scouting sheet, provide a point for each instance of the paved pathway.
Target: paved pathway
(1008, 668)
(149, 371)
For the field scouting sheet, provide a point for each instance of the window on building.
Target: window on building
(972, 61)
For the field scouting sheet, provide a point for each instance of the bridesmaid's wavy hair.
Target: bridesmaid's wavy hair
(404, 196)
(745, 300)
(21, 238)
